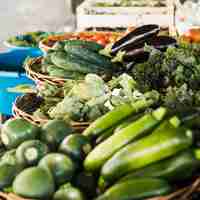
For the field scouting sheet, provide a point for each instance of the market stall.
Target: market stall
(112, 115)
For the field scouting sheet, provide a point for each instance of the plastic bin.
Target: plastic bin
(12, 74)
(10, 80)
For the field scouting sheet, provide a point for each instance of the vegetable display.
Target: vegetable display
(142, 140)
(151, 152)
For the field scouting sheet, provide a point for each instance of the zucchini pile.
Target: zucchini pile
(73, 59)
(132, 152)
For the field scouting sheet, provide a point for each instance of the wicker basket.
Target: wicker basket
(181, 194)
(38, 77)
(25, 105)
(48, 43)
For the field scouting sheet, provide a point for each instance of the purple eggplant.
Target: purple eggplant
(136, 38)
(159, 42)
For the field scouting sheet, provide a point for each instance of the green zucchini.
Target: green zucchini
(89, 56)
(59, 165)
(115, 116)
(70, 63)
(76, 146)
(106, 134)
(106, 149)
(136, 189)
(176, 168)
(54, 131)
(30, 152)
(16, 131)
(68, 192)
(92, 46)
(164, 142)
(34, 183)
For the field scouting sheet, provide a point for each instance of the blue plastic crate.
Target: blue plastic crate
(12, 74)
(10, 80)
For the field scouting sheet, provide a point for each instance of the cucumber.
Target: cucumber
(164, 142)
(136, 189)
(60, 166)
(34, 183)
(7, 174)
(176, 168)
(89, 56)
(115, 116)
(16, 131)
(76, 146)
(54, 71)
(106, 149)
(54, 131)
(68, 192)
(70, 63)
(92, 46)
(30, 152)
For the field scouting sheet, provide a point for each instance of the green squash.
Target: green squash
(30, 152)
(35, 183)
(60, 166)
(76, 146)
(16, 131)
(68, 192)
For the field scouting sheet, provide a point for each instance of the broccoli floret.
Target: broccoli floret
(178, 97)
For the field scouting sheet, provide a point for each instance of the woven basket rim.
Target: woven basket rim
(39, 77)
(18, 112)
(181, 194)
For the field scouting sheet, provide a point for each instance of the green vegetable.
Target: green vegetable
(70, 63)
(116, 115)
(136, 189)
(127, 122)
(54, 71)
(174, 73)
(90, 57)
(54, 131)
(68, 192)
(106, 149)
(33, 183)
(92, 46)
(7, 174)
(16, 131)
(176, 168)
(76, 146)
(106, 134)
(30, 152)
(164, 142)
(60, 166)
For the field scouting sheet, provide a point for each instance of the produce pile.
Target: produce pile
(72, 59)
(30, 39)
(141, 96)
(129, 153)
